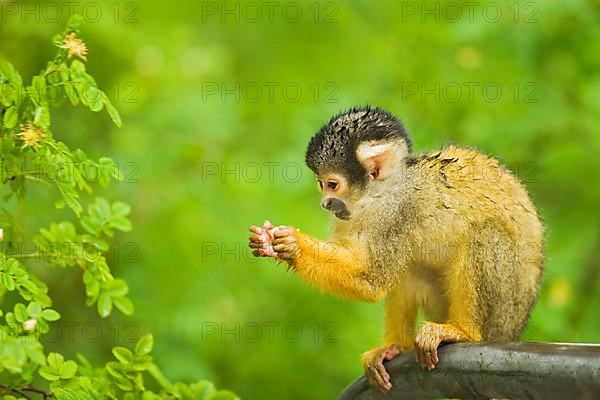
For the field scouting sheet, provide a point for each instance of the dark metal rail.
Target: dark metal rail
(546, 371)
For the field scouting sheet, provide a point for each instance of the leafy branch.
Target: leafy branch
(31, 154)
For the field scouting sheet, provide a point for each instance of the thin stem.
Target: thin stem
(44, 393)
(26, 255)
(29, 388)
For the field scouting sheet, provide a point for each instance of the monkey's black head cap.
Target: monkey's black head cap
(333, 148)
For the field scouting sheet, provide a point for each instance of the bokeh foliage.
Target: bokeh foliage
(184, 261)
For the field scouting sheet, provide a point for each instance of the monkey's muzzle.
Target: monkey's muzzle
(337, 208)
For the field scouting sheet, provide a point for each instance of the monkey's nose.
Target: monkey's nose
(326, 204)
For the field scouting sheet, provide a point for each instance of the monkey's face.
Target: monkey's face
(357, 156)
(336, 194)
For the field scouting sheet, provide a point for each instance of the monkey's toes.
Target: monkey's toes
(426, 344)
(378, 377)
(375, 371)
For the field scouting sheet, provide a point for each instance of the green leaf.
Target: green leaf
(21, 312)
(144, 345)
(11, 117)
(58, 368)
(9, 282)
(10, 319)
(122, 354)
(68, 370)
(37, 90)
(77, 68)
(89, 225)
(34, 310)
(116, 288)
(121, 223)
(115, 369)
(70, 197)
(7, 93)
(112, 111)
(63, 71)
(55, 360)
(120, 209)
(8, 72)
(124, 305)
(124, 384)
(71, 93)
(34, 350)
(205, 389)
(142, 363)
(102, 207)
(93, 96)
(223, 395)
(49, 374)
(52, 371)
(50, 315)
(104, 305)
(41, 117)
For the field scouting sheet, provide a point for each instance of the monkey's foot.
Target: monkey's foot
(430, 336)
(375, 372)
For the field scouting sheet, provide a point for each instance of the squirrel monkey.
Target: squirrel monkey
(452, 232)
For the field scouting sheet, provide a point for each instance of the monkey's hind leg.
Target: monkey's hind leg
(400, 316)
(461, 322)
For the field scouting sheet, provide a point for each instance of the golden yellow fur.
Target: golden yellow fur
(469, 249)
(452, 232)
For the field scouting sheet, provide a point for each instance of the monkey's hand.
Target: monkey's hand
(260, 240)
(279, 242)
(375, 371)
(285, 243)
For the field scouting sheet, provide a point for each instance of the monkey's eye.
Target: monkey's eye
(332, 185)
(320, 184)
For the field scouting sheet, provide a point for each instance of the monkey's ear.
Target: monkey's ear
(382, 159)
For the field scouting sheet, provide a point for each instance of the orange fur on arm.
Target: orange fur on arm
(334, 268)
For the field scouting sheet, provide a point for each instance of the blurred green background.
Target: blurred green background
(219, 100)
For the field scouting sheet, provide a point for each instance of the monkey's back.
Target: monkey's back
(483, 214)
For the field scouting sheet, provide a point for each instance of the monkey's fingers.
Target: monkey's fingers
(287, 256)
(267, 224)
(375, 370)
(283, 231)
(384, 378)
(421, 357)
(259, 252)
(426, 345)
(378, 376)
(256, 229)
(434, 354)
(286, 253)
(257, 238)
(283, 240)
(256, 245)
(282, 247)
(264, 251)
(254, 238)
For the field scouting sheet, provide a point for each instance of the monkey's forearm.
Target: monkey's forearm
(334, 268)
